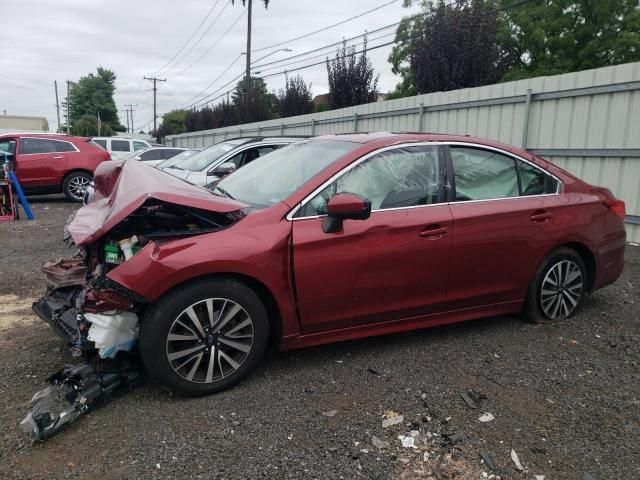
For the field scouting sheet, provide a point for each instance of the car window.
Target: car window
(139, 146)
(120, 145)
(8, 146)
(151, 155)
(102, 143)
(262, 151)
(170, 152)
(202, 160)
(36, 145)
(402, 177)
(238, 159)
(62, 146)
(534, 181)
(483, 174)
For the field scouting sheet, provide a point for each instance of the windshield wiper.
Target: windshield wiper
(223, 191)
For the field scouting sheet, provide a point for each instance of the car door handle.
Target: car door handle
(433, 232)
(540, 216)
(58, 157)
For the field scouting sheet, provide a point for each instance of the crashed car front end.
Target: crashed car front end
(98, 318)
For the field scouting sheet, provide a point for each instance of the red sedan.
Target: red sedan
(328, 239)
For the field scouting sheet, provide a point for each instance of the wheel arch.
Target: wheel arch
(588, 258)
(264, 293)
(75, 170)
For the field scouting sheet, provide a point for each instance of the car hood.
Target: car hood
(133, 183)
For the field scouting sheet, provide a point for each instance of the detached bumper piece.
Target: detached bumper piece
(57, 308)
(75, 391)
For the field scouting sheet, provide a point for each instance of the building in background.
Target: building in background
(23, 123)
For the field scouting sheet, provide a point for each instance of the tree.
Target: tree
(87, 126)
(352, 80)
(93, 95)
(451, 46)
(173, 123)
(552, 37)
(295, 99)
(252, 101)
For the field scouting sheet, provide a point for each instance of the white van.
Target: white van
(120, 147)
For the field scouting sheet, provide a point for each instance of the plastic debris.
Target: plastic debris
(75, 391)
(330, 413)
(539, 477)
(392, 418)
(380, 443)
(407, 441)
(467, 399)
(516, 460)
(113, 332)
(487, 460)
(487, 417)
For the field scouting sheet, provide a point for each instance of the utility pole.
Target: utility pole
(129, 109)
(248, 72)
(155, 90)
(68, 119)
(55, 85)
(99, 123)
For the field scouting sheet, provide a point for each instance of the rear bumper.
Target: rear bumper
(610, 262)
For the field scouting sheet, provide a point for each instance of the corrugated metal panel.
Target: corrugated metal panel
(594, 110)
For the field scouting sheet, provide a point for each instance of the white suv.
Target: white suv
(120, 147)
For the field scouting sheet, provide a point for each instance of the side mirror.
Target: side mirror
(223, 169)
(345, 206)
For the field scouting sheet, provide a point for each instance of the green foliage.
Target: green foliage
(87, 126)
(295, 99)
(322, 107)
(173, 123)
(352, 80)
(557, 36)
(453, 45)
(253, 102)
(93, 95)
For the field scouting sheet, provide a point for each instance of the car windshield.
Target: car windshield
(206, 157)
(171, 162)
(269, 180)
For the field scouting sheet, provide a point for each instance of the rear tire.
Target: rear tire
(74, 185)
(221, 324)
(558, 287)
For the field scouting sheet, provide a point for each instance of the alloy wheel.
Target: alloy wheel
(210, 340)
(561, 290)
(77, 186)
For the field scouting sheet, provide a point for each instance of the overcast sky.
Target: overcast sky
(43, 40)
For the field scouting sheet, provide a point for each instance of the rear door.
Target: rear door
(506, 214)
(42, 161)
(391, 266)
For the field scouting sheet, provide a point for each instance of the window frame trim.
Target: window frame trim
(239, 149)
(448, 172)
(75, 149)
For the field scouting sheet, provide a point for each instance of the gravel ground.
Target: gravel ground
(565, 397)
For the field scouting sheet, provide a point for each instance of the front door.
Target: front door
(41, 162)
(391, 266)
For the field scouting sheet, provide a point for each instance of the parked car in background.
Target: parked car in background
(51, 163)
(155, 155)
(330, 239)
(120, 147)
(222, 158)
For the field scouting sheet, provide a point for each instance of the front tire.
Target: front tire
(558, 287)
(74, 185)
(205, 336)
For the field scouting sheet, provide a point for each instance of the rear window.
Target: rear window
(120, 146)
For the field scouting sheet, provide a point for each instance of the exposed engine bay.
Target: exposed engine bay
(97, 317)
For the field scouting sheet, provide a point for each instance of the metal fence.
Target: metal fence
(586, 122)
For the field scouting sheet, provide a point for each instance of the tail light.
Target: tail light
(105, 155)
(616, 206)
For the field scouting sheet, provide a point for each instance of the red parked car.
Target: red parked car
(328, 239)
(49, 163)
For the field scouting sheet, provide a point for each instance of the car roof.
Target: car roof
(270, 138)
(60, 136)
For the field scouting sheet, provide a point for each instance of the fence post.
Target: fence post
(355, 122)
(239, 132)
(258, 131)
(282, 129)
(525, 128)
(313, 126)
(420, 117)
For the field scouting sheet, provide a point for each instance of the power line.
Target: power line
(213, 81)
(189, 39)
(206, 52)
(326, 28)
(196, 43)
(200, 104)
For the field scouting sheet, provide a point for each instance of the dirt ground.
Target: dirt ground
(564, 397)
